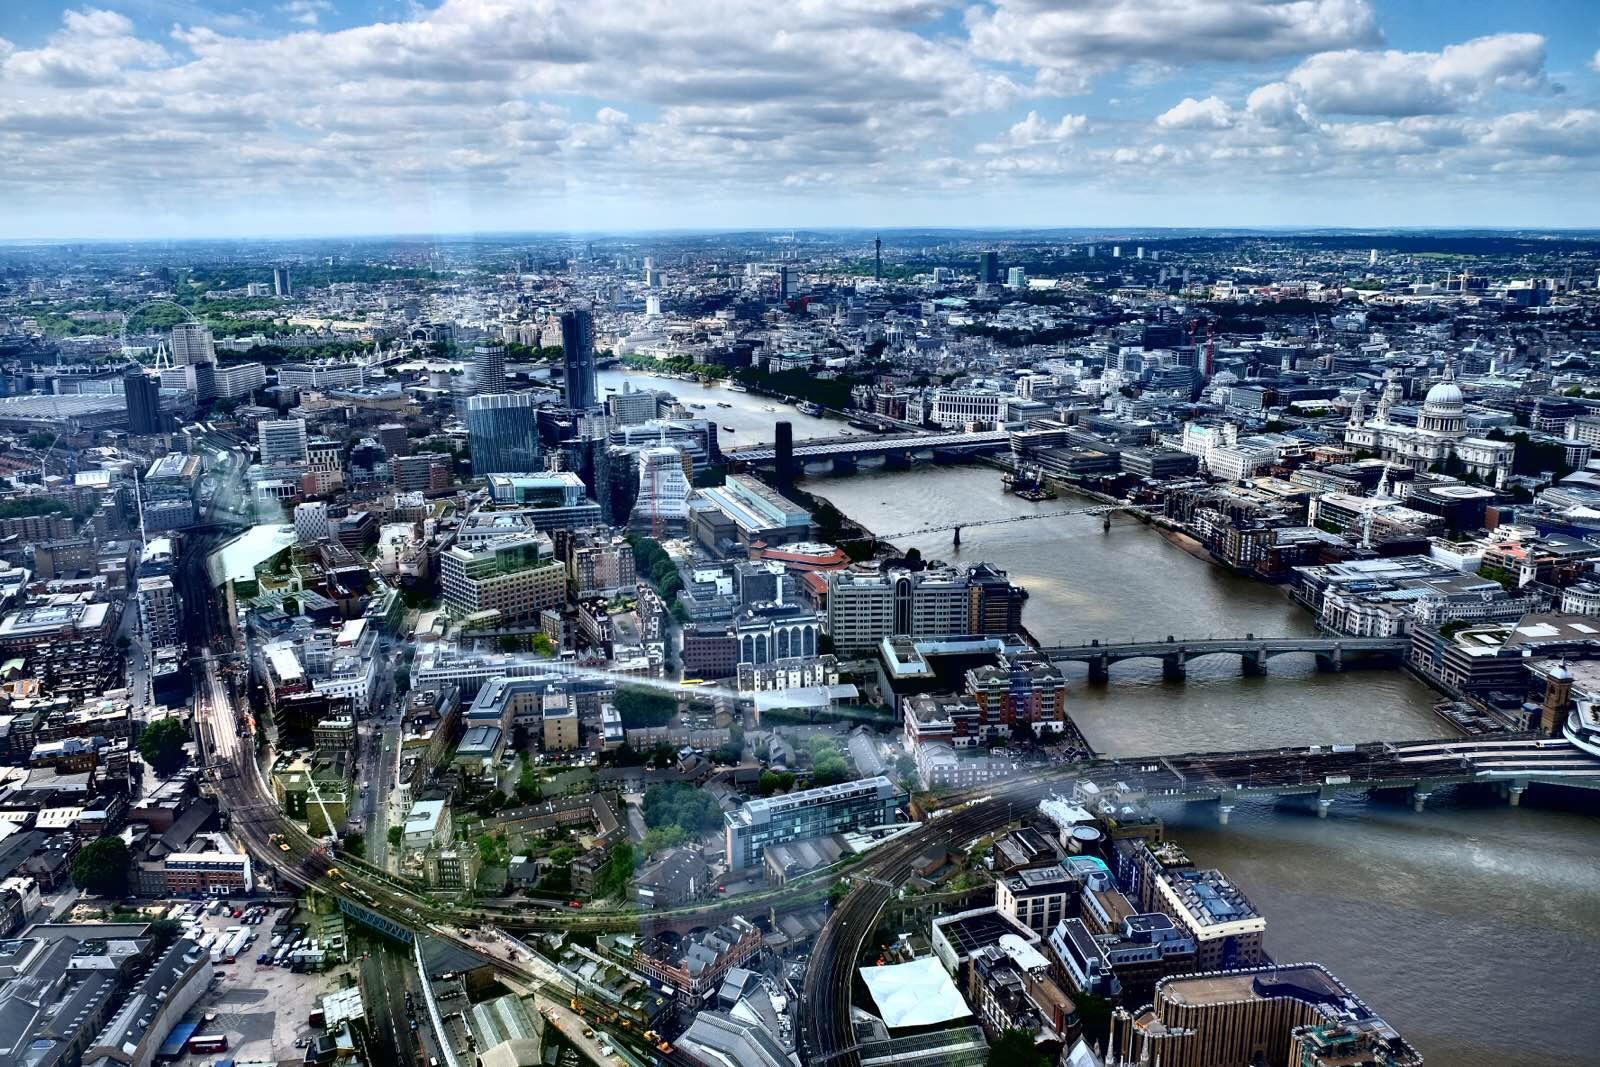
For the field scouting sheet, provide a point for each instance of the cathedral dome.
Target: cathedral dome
(1446, 397)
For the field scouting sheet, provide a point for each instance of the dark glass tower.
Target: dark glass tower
(143, 395)
(577, 353)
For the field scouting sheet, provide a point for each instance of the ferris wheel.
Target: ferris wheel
(127, 349)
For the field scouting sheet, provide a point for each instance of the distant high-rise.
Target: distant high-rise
(785, 284)
(394, 439)
(502, 434)
(783, 451)
(1016, 278)
(281, 285)
(191, 343)
(989, 267)
(282, 440)
(489, 368)
(143, 395)
(577, 353)
(877, 259)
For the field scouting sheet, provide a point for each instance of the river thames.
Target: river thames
(1473, 927)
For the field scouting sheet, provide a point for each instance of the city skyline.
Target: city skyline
(175, 118)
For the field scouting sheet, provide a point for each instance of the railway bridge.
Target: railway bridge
(1175, 653)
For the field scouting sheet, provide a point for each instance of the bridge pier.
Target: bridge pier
(1173, 668)
(1253, 664)
(1514, 790)
(1419, 797)
(1331, 662)
(1100, 669)
(1224, 810)
(1325, 799)
(1105, 521)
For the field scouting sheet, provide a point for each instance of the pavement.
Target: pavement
(264, 1010)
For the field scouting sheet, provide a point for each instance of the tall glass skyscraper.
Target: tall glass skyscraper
(503, 433)
(143, 394)
(577, 348)
(489, 368)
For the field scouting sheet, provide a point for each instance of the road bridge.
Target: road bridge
(854, 448)
(1253, 652)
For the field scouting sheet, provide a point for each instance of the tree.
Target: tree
(161, 744)
(397, 834)
(557, 878)
(354, 845)
(1015, 1048)
(528, 790)
(101, 867)
(641, 707)
(905, 769)
(613, 878)
(774, 782)
(680, 804)
(543, 645)
(661, 838)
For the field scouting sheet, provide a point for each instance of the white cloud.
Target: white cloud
(538, 104)
(1046, 33)
(1212, 113)
(1037, 132)
(93, 47)
(1419, 83)
(306, 12)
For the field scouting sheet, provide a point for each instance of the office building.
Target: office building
(311, 522)
(281, 283)
(662, 503)
(238, 379)
(158, 611)
(325, 374)
(1038, 897)
(1292, 1015)
(282, 440)
(577, 357)
(989, 268)
(517, 576)
(1226, 927)
(502, 434)
(143, 395)
(191, 342)
(631, 406)
(489, 368)
(394, 439)
(730, 518)
(420, 473)
(821, 812)
(866, 605)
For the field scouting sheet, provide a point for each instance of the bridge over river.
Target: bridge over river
(1253, 652)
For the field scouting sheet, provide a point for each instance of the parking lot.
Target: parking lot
(264, 1010)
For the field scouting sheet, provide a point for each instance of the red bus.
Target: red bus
(208, 1043)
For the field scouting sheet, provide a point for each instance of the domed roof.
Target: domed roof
(1446, 396)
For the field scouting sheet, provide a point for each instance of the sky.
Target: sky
(195, 118)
